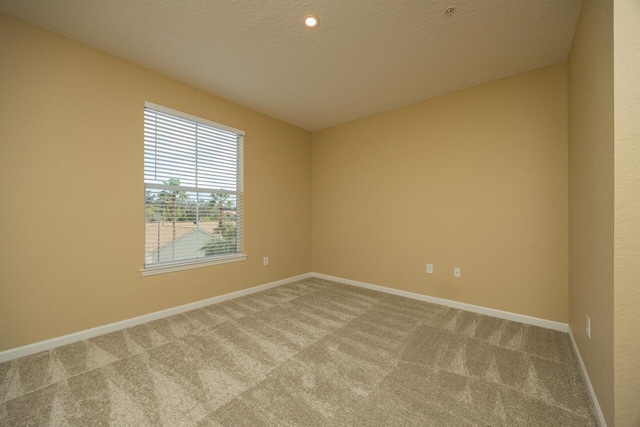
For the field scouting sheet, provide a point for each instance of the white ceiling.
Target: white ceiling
(366, 56)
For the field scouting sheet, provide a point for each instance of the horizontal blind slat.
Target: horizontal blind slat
(202, 216)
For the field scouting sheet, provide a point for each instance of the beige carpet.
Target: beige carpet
(310, 353)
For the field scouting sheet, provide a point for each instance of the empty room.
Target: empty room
(283, 213)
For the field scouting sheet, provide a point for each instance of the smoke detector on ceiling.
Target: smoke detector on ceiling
(450, 10)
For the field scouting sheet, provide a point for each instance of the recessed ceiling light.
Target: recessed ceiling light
(311, 21)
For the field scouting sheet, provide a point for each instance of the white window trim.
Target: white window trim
(201, 262)
(192, 118)
(189, 265)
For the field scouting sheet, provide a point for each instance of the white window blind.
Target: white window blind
(193, 188)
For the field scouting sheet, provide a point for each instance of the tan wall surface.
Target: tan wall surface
(475, 179)
(627, 212)
(591, 170)
(71, 165)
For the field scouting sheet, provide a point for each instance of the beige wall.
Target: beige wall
(591, 174)
(72, 188)
(627, 212)
(475, 179)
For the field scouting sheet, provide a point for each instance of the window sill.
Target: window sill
(188, 265)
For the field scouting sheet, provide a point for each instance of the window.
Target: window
(193, 191)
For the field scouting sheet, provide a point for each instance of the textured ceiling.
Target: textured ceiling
(366, 56)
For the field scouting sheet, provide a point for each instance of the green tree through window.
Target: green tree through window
(193, 188)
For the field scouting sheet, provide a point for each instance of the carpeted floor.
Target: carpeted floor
(310, 353)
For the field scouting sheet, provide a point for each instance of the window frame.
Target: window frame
(167, 267)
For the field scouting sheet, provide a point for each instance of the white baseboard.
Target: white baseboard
(26, 350)
(543, 323)
(585, 375)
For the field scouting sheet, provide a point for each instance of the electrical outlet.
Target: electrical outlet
(588, 327)
(430, 268)
(456, 272)
(265, 260)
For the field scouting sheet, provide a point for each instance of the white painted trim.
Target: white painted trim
(193, 118)
(112, 327)
(26, 350)
(543, 323)
(188, 265)
(585, 375)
